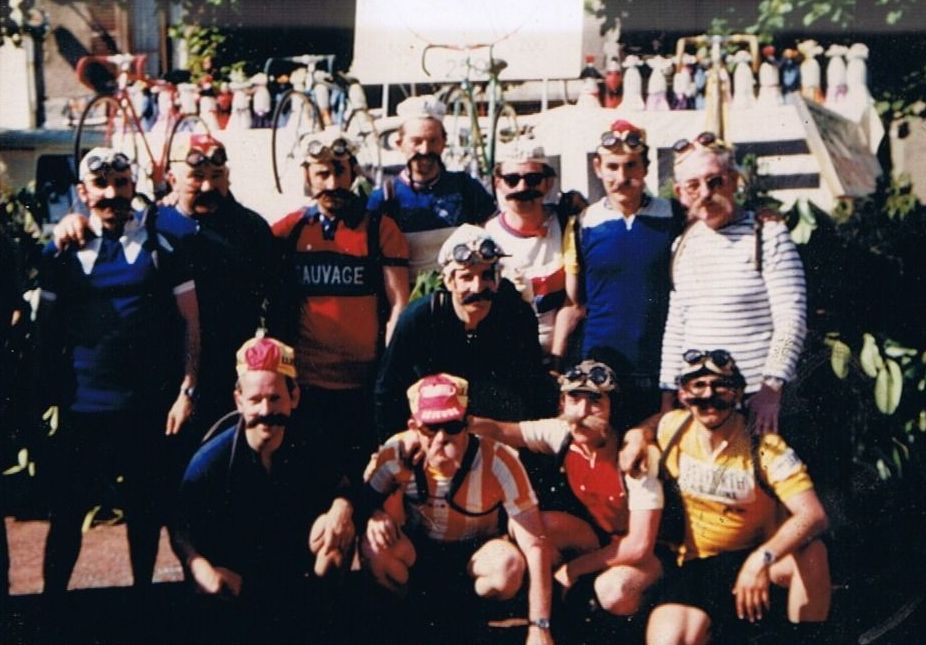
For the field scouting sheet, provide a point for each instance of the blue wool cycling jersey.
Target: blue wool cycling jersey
(116, 302)
(626, 268)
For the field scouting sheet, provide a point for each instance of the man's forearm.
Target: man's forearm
(540, 587)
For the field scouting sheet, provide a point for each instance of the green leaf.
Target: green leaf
(894, 16)
(839, 359)
(883, 471)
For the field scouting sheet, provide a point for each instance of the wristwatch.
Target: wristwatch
(768, 558)
(541, 623)
(189, 392)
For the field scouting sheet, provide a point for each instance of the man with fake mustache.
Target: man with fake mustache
(107, 311)
(426, 200)
(746, 517)
(531, 233)
(617, 267)
(734, 280)
(477, 327)
(231, 250)
(245, 507)
(344, 284)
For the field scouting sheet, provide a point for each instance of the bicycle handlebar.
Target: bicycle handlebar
(305, 60)
(129, 64)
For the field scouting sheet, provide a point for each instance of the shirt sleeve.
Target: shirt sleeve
(672, 339)
(392, 242)
(783, 470)
(518, 495)
(783, 273)
(376, 199)
(570, 250)
(545, 436)
(644, 493)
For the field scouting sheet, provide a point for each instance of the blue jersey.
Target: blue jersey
(116, 298)
(625, 262)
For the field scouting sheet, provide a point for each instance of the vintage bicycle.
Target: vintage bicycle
(112, 119)
(478, 117)
(320, 97)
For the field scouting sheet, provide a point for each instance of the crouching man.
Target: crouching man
(451, 501)
(245, 506)
(735, 489)
(610, 520)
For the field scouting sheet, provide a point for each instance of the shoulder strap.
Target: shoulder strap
(560, 457)
(421, 480)
(673, 442)
(390, 205)
(292, 239)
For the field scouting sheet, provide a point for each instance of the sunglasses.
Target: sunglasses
(486, 251)
(196, 158)
(631, 139)
(449, 427)
(531, 179)
(337, 148)
(719, 357)
(598, 375)
(117, 163)
(103, 182)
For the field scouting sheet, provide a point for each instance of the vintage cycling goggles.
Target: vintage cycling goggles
(531, 179)
(717, 361)
(476, 251)
(588, 376)
(707, 140)
(339, 148)
(117, 162)
(630, 139)
(196, 158)
(449, 427)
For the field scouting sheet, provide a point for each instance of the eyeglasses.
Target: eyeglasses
(713, 182)
(196, 158)
(484, 250)
(700, 386)
(340, 147)
(531, 179)
(117, 163)
(449, 427)
(118, 182)
(630, 139)
(598, 374)
(719, 357)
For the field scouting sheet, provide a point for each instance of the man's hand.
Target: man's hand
(179, 413)
(764, 407)
(215, 581)
(72, 229)
(751, 589)
(537, 636)
(410, 447)
(382, 531)
(338, 528)
(170, 199)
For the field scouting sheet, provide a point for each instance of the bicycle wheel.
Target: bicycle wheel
(106, 122)
(464, 139)
(361, 129)
(295, 116)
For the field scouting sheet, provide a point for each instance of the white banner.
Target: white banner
(537, 38)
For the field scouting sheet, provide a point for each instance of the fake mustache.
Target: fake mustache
(716, 402)
(335, 194)
(472, 298)
(116, 204)
(277, 419)
(426, 156)
(208, 199)
(526, 195)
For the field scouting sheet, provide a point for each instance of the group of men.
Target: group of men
(689, 310)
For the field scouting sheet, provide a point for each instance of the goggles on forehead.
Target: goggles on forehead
(339, 148)
(630, 139)
(588, 376)
(476, 251)
(717, 361)
(196, 158)
(117, 162)
(707, 140)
